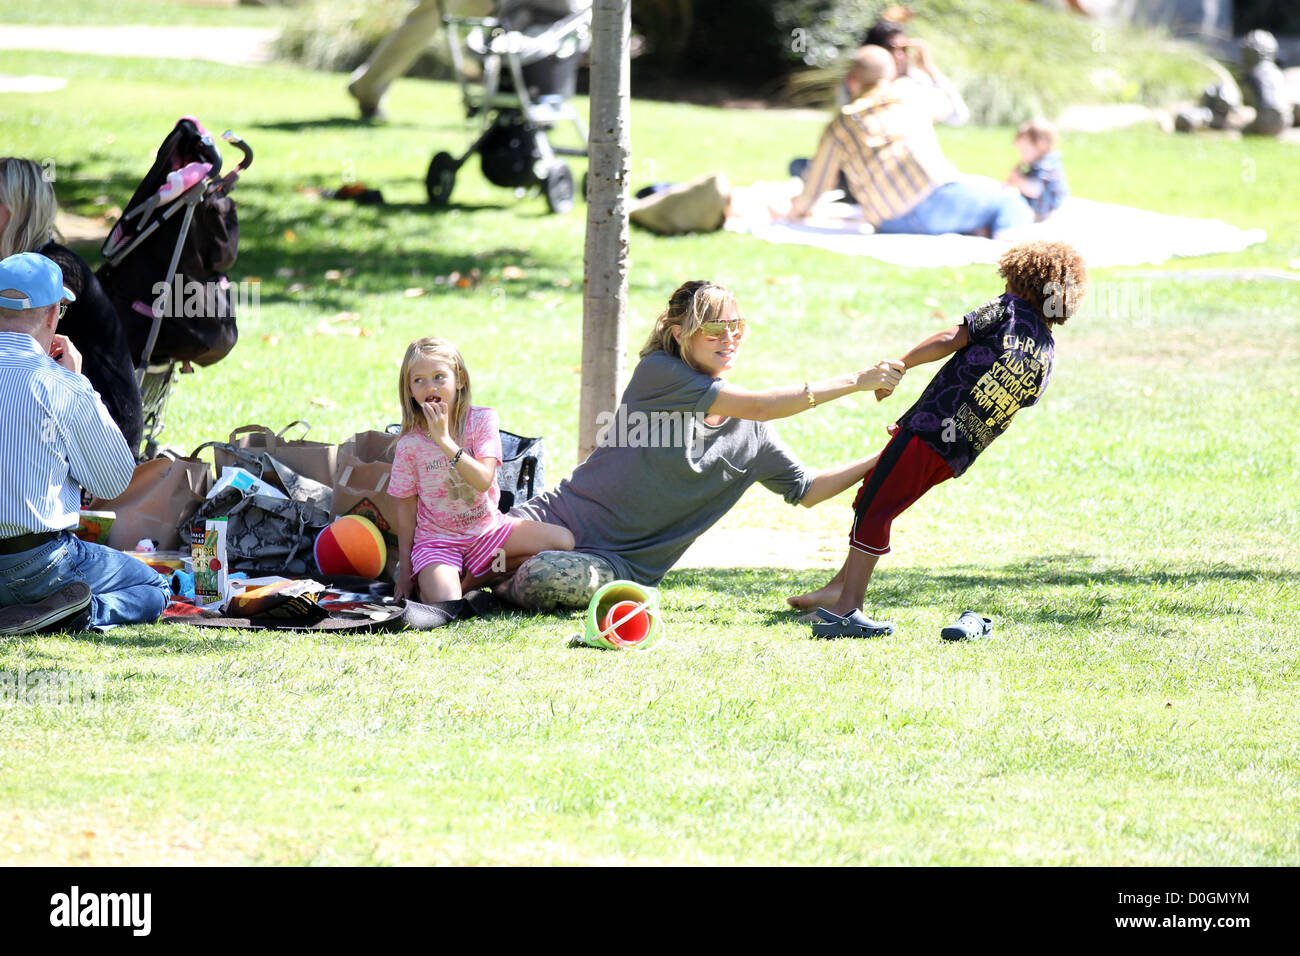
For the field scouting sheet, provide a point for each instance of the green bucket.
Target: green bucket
(633, 625)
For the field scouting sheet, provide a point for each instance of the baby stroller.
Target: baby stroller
(166, 259)
(529, 54)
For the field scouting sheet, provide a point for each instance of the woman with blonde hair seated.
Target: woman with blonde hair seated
(27, 214)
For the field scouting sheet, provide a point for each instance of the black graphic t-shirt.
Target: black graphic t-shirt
(972, 400)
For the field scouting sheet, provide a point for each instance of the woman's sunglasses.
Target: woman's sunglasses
(712, 331)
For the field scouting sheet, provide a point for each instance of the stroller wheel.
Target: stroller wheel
(440, 179)
(559, 188)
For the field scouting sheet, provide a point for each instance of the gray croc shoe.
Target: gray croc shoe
(67, 609)
(854, 624)
(969, 625)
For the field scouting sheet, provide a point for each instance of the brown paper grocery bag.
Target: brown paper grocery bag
(162, 494)
(364, 448)
(311, 459)
(362, 489)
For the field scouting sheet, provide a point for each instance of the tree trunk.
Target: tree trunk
(604, 301)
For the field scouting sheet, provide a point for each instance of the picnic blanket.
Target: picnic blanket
(347, 604)
(1106, 234)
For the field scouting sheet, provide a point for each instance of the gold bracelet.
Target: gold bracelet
(812, 399)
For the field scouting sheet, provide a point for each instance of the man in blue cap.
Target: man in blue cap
(57, 438)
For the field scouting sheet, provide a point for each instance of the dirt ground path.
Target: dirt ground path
(240, 46)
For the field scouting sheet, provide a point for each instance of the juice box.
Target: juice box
(208, 552)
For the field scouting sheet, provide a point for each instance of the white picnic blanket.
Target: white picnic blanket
(1105, 234)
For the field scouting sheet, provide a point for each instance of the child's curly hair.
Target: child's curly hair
(1050, 276)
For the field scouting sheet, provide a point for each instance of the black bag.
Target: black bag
(199, 310)
(522, 472)
(265, 535)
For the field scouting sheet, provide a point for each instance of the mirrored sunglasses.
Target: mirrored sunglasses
(715, 330)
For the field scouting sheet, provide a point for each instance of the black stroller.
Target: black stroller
(166, 259)
(529, 55)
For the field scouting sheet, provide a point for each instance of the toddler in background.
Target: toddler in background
(1041, 177)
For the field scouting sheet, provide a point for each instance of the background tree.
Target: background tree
(604, 299)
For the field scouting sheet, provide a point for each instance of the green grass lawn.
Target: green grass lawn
(1133, 537)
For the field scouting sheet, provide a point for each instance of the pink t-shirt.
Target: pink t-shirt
(448, 506)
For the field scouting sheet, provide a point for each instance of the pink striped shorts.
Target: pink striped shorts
(472, 554)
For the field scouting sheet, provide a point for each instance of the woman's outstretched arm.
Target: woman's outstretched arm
(787, 400)
(832, 481)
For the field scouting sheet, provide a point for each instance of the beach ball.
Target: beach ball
(351, 545)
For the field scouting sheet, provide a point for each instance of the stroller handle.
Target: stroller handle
(230, 137)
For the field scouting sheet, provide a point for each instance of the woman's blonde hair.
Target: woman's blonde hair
(412, 414)
(690, 306)
(32, 208)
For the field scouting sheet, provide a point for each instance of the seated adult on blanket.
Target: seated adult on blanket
(682, 448)
(57, 437)
(885, 145)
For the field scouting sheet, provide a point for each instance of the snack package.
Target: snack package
(208, 552)
(95, 526)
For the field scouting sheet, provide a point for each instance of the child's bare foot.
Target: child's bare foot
(825, 596)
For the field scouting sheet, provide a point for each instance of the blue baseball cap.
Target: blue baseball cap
(37, 280)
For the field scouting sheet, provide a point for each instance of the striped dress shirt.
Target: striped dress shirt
(56, 437)
(884, 143)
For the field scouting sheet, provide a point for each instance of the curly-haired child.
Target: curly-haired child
(1001, 361)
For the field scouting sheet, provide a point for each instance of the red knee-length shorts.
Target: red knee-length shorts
(907, 469)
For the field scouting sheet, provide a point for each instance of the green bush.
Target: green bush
(1010, 61)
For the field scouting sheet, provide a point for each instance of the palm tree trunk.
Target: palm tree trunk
(604, 302)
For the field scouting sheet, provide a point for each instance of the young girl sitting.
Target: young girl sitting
(444, 475)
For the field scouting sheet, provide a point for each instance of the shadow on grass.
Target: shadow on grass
(726, 588)
(329, 122)
(383, 249)
(994, 589)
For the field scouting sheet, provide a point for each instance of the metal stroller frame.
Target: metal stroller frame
(503, 99)
(155, 379)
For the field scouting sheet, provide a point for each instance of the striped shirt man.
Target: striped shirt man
(56, 437)
(884, 143)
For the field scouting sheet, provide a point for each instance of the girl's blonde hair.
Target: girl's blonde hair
(412, 414)
(32, 208)
(690, 306)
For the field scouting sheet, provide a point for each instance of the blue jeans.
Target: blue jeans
(124, 590)
(964, 206)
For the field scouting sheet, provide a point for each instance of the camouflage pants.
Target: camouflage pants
(558, 579)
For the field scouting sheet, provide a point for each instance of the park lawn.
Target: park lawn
(1133, 538)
